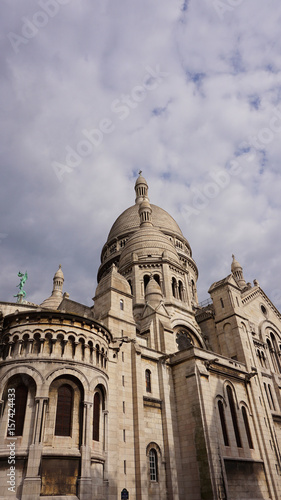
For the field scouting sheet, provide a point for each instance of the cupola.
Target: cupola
(237, 272)
(141, 188)
(55, 299)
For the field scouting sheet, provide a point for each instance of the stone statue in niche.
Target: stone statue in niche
(184, 340)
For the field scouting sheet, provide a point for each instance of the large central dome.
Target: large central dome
(129, 222)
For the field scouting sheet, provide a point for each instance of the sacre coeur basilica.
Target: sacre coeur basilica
(147, 395)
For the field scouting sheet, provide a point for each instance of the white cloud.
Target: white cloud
(222, 89)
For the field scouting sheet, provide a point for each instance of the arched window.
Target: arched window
(131, 286)
(64, 411)
(223, 423)
(157, 278)
(268, 399)
(247, 427)
(148, 380)
(222, 304)
(96, 416)
(180, 290)
(97, 354)
(193, 289)
(20, 400)
(272, 355)
(275, 351)
(234, 416)
(146, 279)
(153, 466)
(174, 287)
(121, 304)
(271, 397)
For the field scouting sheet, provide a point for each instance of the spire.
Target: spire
(141, 188)
(237, 272)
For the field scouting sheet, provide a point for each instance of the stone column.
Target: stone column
(85, 481)
(167, 283)
(168, 435)
(32, 482)
(138, 419)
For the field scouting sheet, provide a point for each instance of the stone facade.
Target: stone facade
(147, 395)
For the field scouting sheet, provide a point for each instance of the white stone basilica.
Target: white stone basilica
(147, 395)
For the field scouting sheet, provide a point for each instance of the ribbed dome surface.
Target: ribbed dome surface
(129, 221)
(147, 242)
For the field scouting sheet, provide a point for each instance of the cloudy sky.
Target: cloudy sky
(92, 91)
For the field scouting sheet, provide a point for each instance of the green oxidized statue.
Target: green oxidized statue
(21, 292)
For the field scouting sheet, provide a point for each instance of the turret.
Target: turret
(55, 299)
(237, 272)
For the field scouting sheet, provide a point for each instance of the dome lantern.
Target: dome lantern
(141, 189)
(237, 272)
(145, 213)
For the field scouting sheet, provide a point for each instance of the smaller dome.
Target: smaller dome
(153, 287)
(140, 180)
(113, 279)
(59, 273)
(235, 265)
(237, 272)
(55, 299)
(153, 293)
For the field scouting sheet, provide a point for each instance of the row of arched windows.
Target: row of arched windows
(274, 352)
(177, 289)
(64, 411)
(261, 357)
(269, 396)
(234, 419)
(60, 346)
(273, 360)
(177, 286)
(146, 279)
